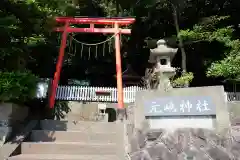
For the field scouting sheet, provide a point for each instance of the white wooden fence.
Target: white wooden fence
(233, 96)
(81, 93)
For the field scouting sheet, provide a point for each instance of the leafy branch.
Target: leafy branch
(230, 65)
(17, 86)
(185, 78)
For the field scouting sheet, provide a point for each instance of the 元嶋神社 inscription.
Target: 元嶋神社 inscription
(188, 105)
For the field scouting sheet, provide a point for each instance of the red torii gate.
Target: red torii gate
(117, 22)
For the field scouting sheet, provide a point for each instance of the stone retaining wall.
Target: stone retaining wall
(179, 144)
(11, 115)
(197, 144)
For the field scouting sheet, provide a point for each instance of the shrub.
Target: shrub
(17, 86)
(60, 108)
(186, 78)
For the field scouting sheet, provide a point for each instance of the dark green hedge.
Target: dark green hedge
(17, 86)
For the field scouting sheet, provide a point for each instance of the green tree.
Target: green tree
(216, 28)
(24, 26)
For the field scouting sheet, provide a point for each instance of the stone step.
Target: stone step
(63, 157)
(79, 117)
(85, 126)
(74, 148)
(75, 136)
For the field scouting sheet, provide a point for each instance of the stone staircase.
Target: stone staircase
(74, 140)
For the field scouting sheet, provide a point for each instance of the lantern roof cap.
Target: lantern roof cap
(163, 50)
(161, 42)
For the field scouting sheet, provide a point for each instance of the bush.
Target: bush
(186, 78)
(17, 86)
(60, 109)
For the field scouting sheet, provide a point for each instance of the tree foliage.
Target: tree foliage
(17, 86)
(24, 24)
(28, 40)
(185, 78)
(229, 65)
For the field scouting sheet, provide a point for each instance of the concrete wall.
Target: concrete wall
(234, 112)
(12, 112)
(80, 111)
(10, 117)
(88, 111)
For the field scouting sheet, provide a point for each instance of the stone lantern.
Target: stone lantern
(162, 57)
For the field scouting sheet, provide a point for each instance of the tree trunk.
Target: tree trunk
(117, 8)
(175, 17)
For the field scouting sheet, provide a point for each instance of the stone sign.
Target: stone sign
(194, 105)
(180, 106)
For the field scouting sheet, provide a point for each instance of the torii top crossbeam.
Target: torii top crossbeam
(92, 22)
(117, 22)
(87, 20)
